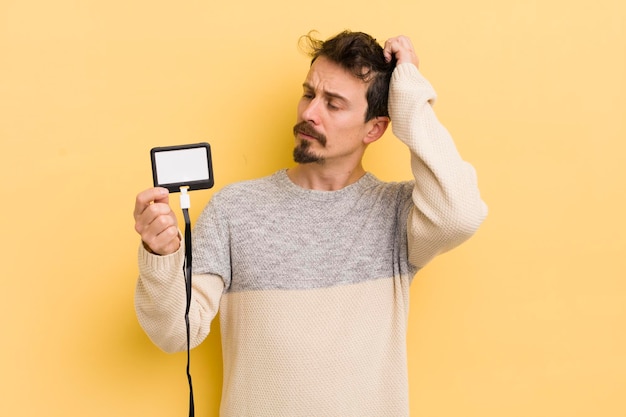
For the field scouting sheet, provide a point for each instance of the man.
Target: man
(310, 267)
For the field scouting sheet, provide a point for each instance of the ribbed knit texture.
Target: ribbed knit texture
(313, 286)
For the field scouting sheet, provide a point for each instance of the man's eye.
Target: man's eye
(332, 106)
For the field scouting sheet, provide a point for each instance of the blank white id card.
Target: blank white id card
(182, 166)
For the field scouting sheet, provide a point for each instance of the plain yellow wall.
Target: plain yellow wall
(528, 319)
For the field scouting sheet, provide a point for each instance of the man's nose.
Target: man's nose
(311, 111)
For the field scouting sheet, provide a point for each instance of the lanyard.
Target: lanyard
(187, 273)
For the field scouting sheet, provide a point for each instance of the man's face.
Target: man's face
(331, 114)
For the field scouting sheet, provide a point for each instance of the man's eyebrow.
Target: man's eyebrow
(326, 93)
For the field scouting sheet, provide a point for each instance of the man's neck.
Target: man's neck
(314, 176)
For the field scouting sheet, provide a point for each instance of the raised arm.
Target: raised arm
(447, 208)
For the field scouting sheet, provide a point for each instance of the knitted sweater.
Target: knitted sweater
(313, 286)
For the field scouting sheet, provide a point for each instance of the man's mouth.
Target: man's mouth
(305, 130)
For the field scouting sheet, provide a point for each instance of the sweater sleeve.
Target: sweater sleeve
(447, 207)
(160, 301)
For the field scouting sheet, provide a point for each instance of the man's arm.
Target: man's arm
(160, 296)
(447, 205)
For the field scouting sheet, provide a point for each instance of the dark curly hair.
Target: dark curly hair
(361, 55)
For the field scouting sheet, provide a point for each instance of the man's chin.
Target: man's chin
(304, 156)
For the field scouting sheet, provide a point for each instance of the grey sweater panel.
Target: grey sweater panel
(269, 233)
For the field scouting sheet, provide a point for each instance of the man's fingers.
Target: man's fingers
(162, 240)
(156, 222)
(402, 48)
(159, 215)
(158, 228)
(147, 197)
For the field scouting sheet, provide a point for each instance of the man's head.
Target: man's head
(344, 103)
(361, 55)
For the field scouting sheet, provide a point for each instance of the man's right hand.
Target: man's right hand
(156, 222)
(402, 48)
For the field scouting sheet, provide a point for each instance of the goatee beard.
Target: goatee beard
(302, 153)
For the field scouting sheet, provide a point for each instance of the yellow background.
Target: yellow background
(528, 319)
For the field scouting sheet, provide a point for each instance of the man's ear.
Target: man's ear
(377, 127)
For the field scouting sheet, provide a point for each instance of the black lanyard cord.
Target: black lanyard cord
(187, 272)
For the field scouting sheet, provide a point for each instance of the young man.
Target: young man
(310, 267)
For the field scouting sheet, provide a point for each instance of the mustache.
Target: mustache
(306, 129)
